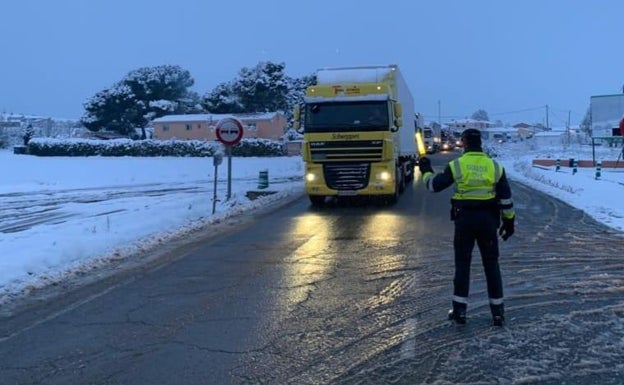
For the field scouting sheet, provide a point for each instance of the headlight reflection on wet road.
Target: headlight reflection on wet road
(387, 231)
(355, 264)
(310, 262)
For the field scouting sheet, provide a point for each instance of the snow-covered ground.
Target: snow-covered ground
(597, 195)
(59, 216)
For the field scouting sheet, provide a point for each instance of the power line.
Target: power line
(568, 111)
(549, 111)
(431, 116)
(559, 118)
(517, 111)
(493, 114)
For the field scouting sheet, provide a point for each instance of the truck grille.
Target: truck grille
(346, 176)
(349, 150)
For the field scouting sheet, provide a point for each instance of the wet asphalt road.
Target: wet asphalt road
(348, 294)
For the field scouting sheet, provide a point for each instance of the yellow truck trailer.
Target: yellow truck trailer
(358, 128)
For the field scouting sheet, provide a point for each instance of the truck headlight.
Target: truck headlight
(310, 177)
(384, 176)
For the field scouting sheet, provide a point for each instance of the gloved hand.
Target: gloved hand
(424, 165)
(507, 228)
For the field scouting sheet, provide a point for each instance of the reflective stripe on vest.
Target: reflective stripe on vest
(477, 179)
(428, 179)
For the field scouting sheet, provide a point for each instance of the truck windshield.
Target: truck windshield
(347, 116)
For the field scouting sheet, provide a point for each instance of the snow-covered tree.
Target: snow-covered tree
(191, 103)
(142, 95)
(296, 92)
(263, 88)
(29, 132)
(114, 109)
(586, 123)
(223, 100)
(480, 115)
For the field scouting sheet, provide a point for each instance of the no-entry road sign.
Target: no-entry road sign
(229, 131)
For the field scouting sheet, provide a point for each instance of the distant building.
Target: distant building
(456, 127)
(10, 124)
(606, 113)
(269, 125)
(463, 124)
(550, 138)
(525, 130)
(12, 128)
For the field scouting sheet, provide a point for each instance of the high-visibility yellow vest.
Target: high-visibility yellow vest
(475, 175)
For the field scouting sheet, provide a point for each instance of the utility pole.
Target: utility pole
(439, 115)
(568, 126)
(547, 126)
(569, 112)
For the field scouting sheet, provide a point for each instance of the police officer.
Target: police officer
(482, 198)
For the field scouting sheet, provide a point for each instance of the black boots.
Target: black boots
(498, 314)
(458, 313)
(459, 316)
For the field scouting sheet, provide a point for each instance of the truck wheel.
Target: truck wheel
(410, 176)
(392, 199)
(401, 180)
(317, 200)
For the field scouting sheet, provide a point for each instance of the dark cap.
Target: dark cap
(471, 137)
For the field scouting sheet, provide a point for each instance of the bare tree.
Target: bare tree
(480, 115)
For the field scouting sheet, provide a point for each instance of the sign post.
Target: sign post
(229, 132)
(216, 160)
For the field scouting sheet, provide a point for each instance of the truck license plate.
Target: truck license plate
(347, 193)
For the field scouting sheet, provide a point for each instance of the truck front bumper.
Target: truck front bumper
(379, 181)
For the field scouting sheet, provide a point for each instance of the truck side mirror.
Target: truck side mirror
(398, 122)
(398, 110)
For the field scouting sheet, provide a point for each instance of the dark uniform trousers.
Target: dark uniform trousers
(476, 225)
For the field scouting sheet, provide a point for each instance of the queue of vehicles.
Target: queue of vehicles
(437, 140)
(360, 134)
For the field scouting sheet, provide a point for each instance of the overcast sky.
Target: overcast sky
(457, 56)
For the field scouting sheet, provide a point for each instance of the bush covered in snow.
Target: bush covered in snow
(128, 147)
